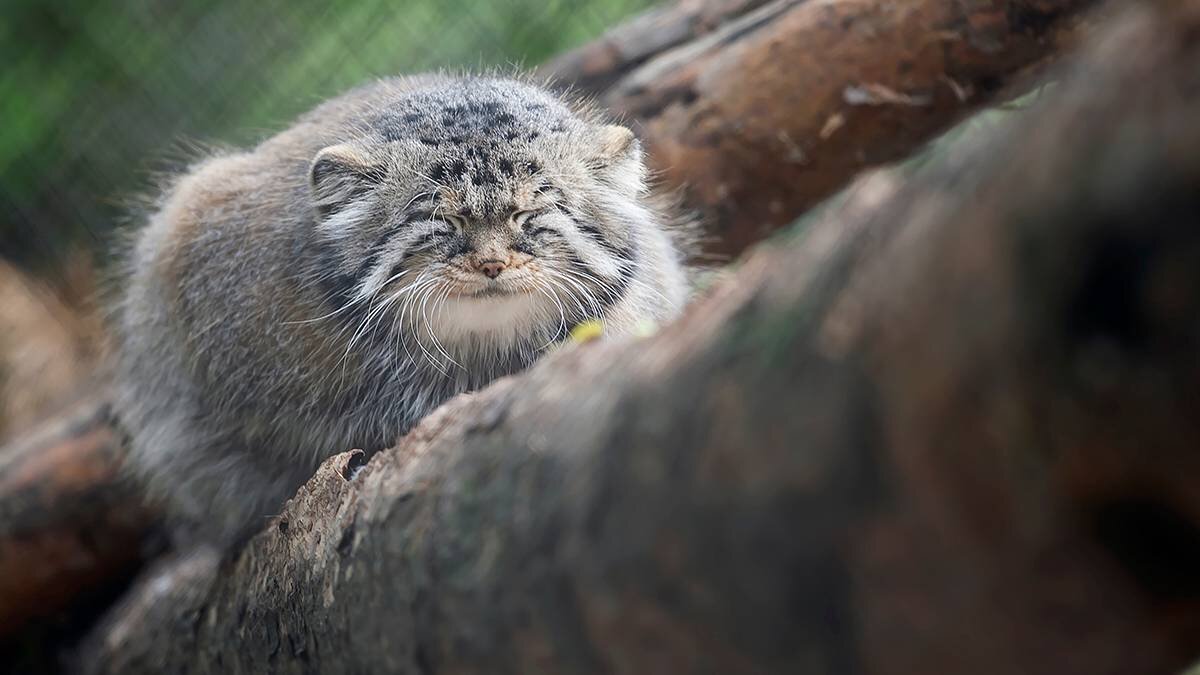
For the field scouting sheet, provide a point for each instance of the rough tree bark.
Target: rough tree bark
(691, 46)
(952, 428)
(781, 106)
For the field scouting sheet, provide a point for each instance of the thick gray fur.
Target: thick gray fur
(299, 299)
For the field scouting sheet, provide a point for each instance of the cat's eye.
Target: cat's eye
(523, 217)
(458, 222)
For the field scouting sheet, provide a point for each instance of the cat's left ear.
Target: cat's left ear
(617, 158)
(614, 144)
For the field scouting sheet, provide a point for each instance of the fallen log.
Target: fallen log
(780, 108)
(949, 429)
(655, 43)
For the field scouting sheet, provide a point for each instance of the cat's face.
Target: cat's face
(485, 213)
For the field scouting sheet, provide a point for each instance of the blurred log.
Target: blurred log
(595, 67)
(782, 106)
(50, 342)
(953, 428)
(67, 524)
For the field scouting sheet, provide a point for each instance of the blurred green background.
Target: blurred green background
(96, 97)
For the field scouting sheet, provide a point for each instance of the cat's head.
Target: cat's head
(486, 208)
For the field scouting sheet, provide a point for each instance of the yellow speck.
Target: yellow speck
(587, 331)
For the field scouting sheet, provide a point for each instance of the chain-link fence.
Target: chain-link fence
(95, 97)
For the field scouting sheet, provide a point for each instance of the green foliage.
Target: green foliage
(96, 96)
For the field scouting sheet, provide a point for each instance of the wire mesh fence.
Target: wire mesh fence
(96, 97)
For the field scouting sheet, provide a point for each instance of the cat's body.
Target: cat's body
(408, 241)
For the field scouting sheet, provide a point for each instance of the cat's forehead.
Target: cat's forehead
(489, 143)
(479, 168)
(490, 192)
(474, 112)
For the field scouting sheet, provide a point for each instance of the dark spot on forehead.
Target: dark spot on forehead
(484, 107)
(506, 167)
(391, 130)
(532, 166)
(437, 172)
(483, 176)
(458, 168)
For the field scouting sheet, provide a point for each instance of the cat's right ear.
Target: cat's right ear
(338, 175)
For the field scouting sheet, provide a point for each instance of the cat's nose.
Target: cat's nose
(491, 268)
